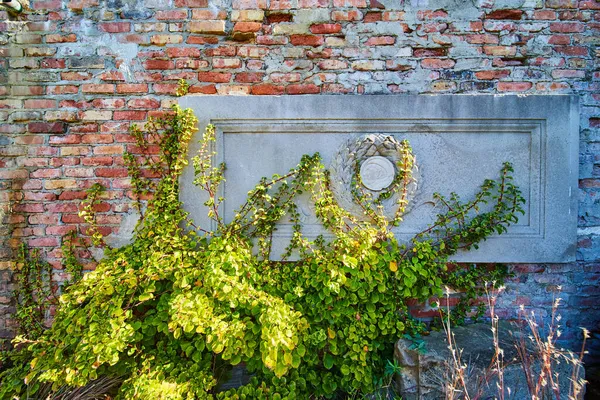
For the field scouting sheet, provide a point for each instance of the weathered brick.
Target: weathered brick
(561, 3)
(154, 64)
(132, 88)
(46, 127)
(500, 50)
(247, 15)
(302, 89)
(58, 38)
(249, 77)
(514, 86)
(247, 27)
(216, 77)
(437, 63)
(105, 88)
(325, 29)
(208, 27)
(129, 115)
(505, 14)
(161, 40)
(380, 41)
(226, 63)
(114, 27)
(567, 27)
(170, 15)
(191, 3)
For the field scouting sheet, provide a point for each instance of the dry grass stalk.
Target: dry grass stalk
(537, 352)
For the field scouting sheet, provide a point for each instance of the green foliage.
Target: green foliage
(182, 88)
(168, 312)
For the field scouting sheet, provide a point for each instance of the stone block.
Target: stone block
(426, 369)
(458, 140)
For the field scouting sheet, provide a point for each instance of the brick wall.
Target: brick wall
(75, 74)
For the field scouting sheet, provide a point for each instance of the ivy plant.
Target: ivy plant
(171, 312)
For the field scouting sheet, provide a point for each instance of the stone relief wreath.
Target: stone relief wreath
(372, 161)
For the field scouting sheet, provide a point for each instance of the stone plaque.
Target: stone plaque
(458, 141)
(377, 173)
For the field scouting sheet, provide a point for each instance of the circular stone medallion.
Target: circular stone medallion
(377, 173)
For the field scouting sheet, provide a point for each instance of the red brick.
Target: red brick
(70, 38)
(429, 52)
(226, 63)
(380, 41)
(437, 63)
(572, 50)
(247, 26)
(111, 172)
(159, 64)
(98, 88)
(373, 16)
(129, 115)
(505, 14)
(567, 27)
(108, 103)
(249, 77)
(494, 74)
(165, 88)
(94, 161)
(46, 173)
(52, 63)
(29, 208)
(112, 76)
(203, 89)
(46, 127)
(192, 39)
(72, 219)
(43, 242)
(275, 17)
(559, 39)
(132, 88)
(61, 230)
(324, 29)
(97, 138)
(75, 76)
(306, 40)
(65, 139)
(302, 89)
(14, 174)
(267, 89)
(171, 15)
(144, 103)
(216, 77)
(114, 27)
(38, 103)
(65, 89)
(191, 3)
(544, 15)
(174, 52)
(514, 86)
(60, 208)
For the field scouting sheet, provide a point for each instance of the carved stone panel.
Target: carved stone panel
(458, 141)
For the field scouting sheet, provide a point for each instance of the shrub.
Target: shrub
(166, 312)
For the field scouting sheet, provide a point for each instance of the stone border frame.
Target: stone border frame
(552, 121)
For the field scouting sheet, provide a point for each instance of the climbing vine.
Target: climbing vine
(172, 312)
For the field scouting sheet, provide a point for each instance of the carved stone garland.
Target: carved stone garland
(375, 157)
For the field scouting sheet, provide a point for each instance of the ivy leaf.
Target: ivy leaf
(328, 361)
